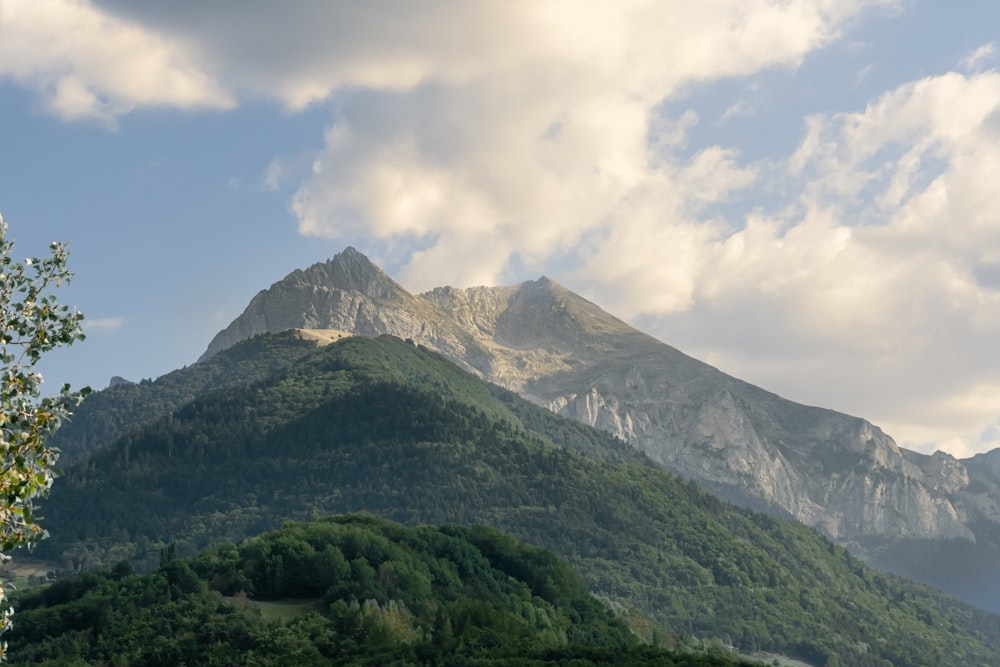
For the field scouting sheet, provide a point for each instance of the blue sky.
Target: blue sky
(801, 193)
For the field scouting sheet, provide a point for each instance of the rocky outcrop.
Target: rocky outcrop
(350, 293)
(981, 493)
(348, 290)
(838, 473)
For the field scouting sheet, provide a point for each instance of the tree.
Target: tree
(32, 322)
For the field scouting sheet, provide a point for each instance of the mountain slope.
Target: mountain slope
(835, 472)
(383, 426)
(109, 414)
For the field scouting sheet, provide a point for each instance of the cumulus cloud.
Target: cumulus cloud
(88, 64)
(489, 151)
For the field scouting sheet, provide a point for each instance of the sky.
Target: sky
(802, 193)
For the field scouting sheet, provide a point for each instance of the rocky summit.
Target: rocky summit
(838, 473)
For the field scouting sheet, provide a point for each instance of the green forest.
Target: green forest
(273, 430)
(350, 590)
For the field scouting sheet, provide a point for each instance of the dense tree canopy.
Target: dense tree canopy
(355, 590)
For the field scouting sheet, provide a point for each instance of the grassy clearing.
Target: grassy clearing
(289, 609)
(18, 571)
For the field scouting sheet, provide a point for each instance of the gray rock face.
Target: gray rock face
(348, 292)
(837, 473)
(981, 491)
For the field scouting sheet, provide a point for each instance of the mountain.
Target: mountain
(384, 426)
(837, 473)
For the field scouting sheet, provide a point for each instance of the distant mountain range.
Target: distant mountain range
(906, 511)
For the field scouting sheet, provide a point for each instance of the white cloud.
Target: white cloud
(742, 107)
(979, 55)
(493, 150)
(863, 74)
(516, 126)
(103, 324)
(274, 174)
(301, 52)
(88, 64)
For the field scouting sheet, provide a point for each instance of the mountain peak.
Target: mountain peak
(543, 284)
(543, 310)
(348, 270)
(345, 293)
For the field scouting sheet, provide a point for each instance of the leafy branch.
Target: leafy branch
(32, 323)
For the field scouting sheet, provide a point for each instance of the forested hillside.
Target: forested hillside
(382, 426)
(350, 590)
(109, 414)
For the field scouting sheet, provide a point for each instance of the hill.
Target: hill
(352, 590)
(384, 426)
